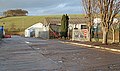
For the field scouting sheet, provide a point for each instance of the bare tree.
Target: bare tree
(114, 27)
(108, 11)
(119, 31)
(90, 9)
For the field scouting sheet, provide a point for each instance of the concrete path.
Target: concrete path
(16, 55)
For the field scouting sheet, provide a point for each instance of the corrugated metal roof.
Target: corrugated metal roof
(57, 20)
(53, 20)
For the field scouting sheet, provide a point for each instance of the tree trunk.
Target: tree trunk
(105, 35)
(113, 36)
(89, 34)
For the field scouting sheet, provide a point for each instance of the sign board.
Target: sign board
(79, 35)
(85, 32)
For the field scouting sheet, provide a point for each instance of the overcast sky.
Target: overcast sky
(43, 7)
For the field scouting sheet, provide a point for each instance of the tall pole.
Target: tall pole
(119, 32)
(68, 33)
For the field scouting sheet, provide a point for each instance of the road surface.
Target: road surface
(34, 54)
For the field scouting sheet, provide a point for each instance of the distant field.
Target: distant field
(19, 24)
(24, 21)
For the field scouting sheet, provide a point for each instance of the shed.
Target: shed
(37, 30)
(77, 26)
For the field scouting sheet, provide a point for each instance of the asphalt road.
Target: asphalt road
(32, 54)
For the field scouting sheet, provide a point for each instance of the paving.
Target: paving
(32, 54)
(114, 47)
(16, 55)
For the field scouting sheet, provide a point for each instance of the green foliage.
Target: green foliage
(64, 25)
(17, 12)
(67, 23)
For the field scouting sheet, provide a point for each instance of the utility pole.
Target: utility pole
(119, 32)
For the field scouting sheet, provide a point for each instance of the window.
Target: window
(76, 26)
(83, 26)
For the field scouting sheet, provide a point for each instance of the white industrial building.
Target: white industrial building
(77, 27)
(51, 29)
(37, 30)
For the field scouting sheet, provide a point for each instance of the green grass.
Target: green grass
(20, 22)
(26, 21)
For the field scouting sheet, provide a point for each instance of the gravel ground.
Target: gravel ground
(76, 58)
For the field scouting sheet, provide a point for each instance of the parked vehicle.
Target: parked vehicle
(7, 36)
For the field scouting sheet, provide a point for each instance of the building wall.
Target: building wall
(27, 33)
(38, 31)
(43, 32)
(78, 33)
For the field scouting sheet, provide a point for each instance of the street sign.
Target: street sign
(85, 32)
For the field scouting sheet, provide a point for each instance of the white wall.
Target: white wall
(37, 30)
(78, 33)
(27, 33)
(42, 32)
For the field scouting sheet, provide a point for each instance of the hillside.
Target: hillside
(24, 21)
(19, 24)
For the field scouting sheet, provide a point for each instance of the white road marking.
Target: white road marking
(27, 42)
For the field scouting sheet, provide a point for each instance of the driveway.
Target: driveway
(34, 54)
